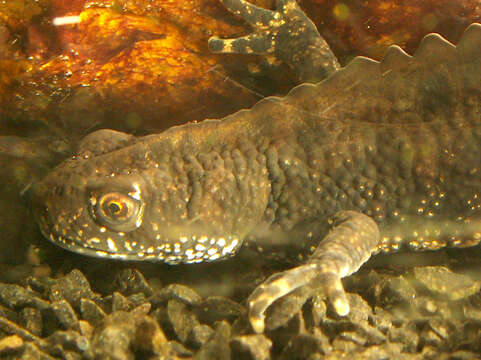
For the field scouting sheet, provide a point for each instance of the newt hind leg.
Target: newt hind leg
(286, 33)
(343, 250)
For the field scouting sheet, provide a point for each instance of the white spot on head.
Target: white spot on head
(136, 194)
(215, 256)
(111, 245)
(200, 247)
(172, 259)
(189, 253)
(94, 240)
(229, 248)
(177, 248)
(119, 256)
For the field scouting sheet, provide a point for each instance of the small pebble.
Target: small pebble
(72, 287)
(175, 291)
(32, 320)
(10, 344)
(91, 311)
(254, 347)
(217, 347)
(65, 315)
(131, 281)
(181, 319)
(120, 302)
(442, 281)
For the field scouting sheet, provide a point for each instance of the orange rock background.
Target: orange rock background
(143, 65)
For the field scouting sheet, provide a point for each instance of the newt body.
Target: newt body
(385, 153)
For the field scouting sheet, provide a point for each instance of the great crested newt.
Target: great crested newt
(371, 157)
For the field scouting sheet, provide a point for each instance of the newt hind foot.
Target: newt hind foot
(286, 33)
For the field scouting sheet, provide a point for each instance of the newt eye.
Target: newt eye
(117, 211)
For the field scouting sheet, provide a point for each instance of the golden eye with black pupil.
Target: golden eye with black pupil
(118, 212)
(116, 207)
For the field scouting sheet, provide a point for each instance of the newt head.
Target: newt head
(127, 203)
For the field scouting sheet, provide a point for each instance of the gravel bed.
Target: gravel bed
(69, 307)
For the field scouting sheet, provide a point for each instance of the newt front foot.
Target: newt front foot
(287, 34)
(343, 250)
(281, 284)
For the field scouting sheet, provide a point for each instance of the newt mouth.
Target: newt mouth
(186, 250)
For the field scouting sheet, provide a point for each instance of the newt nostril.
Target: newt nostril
(37, 194)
